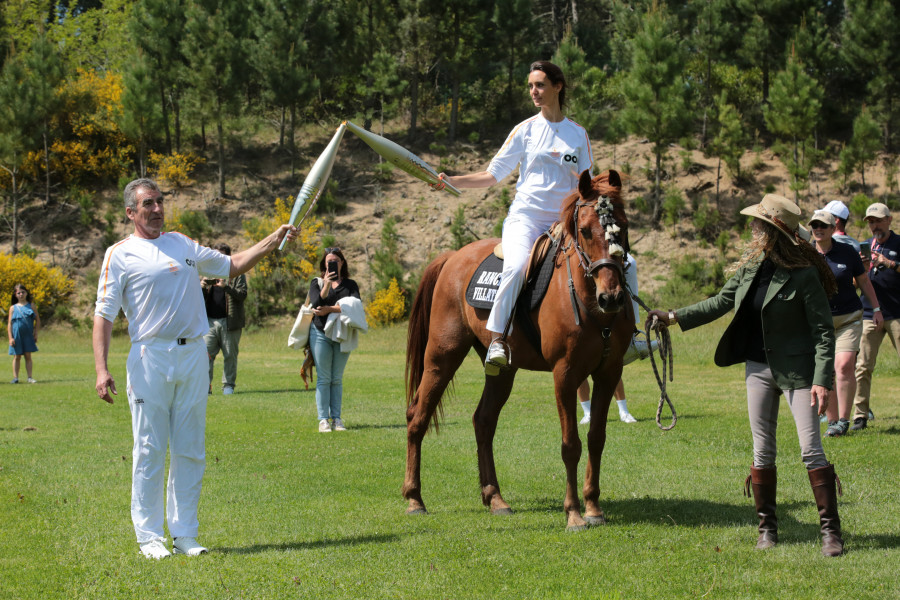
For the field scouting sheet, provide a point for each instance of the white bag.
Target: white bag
(299, 335)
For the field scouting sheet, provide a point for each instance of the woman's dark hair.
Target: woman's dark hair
(554, 74)
(345, 273)
(17, 287)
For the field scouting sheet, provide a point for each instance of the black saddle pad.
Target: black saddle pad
(484, 283)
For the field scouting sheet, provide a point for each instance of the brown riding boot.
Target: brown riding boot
(825, 486)
(764, 482)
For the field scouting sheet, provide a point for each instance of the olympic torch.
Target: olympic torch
(400, 157)
(315, 181)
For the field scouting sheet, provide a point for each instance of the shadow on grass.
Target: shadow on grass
(313, 545)
(681, 512)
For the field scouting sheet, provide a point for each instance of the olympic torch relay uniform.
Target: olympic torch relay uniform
(156, 284)
(550, 157)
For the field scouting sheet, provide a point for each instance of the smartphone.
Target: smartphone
(866, 249)
(333, 266)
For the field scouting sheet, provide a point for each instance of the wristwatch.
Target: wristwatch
(673, 319)
(876, 309)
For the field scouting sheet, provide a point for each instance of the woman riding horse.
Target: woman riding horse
(551, 151)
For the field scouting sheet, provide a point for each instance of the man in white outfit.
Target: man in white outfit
(153, 277)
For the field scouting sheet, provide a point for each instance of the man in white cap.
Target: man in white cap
(841, 214)
(883, 273)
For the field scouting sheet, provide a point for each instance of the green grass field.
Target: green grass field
(291, 513)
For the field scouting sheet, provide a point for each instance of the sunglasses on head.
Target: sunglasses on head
(332, 250)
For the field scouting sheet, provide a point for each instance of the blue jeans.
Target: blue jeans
(330, 364)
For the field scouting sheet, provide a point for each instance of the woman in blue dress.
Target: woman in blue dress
(24, 324)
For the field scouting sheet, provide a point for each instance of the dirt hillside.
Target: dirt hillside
(424, 216)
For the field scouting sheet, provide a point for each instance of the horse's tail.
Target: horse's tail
(419, 322)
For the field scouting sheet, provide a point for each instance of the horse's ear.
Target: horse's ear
(614, 179)
(584, 184)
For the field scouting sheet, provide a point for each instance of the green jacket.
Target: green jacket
(798, 330)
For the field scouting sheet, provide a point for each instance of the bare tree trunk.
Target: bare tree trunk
(165, 112)
(657, 205)
(220, 128)
(454, 109)
(46, 166)
(177, 108)
(574, 5)
(281, 129)
(718, 180)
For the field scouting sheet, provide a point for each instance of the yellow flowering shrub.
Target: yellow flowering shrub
(49, 286)
(279, 279)
(174, 169)
(388, 306)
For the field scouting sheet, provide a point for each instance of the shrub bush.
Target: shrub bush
(388, 305)
(278, 282)
(191, 223)
(174, 169)
(49, 286)
(692, 279)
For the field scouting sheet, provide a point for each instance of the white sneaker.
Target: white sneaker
(496, 358)
(155, 549)
(585, 420)
(339, 425)
(30, 380)
(627, 418)
(188, 546)
(324, 426)
(227, 390)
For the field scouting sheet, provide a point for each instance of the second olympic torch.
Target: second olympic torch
(400, 157)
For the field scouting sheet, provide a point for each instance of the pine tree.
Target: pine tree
(871, 47)
(728, 142)
(216, 46)
(386, 260)
(793, 112)
(654, 92)
(141, 116)
(19, 131)
(45, 72)
(864, 145)
(586, 98)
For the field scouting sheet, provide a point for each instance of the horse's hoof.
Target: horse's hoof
(576, 528)
(502, 511)
(595, 521)
(416, 511)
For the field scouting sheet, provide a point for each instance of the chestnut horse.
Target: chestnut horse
(585, 322)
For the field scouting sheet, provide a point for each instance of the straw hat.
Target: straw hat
(780, 212)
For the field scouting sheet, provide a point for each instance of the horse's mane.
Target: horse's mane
(600, 187)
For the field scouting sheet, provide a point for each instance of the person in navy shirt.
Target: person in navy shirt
(885, 279)
(846, 311)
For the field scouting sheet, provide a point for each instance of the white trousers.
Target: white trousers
(519, 234)
(167, 386)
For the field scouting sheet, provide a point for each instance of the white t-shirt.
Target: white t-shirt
(156, 283)
(551, 156)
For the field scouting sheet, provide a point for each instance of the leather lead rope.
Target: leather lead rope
(667, 358)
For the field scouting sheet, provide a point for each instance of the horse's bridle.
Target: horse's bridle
(604, 209)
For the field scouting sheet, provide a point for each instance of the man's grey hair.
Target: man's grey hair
(132, 188)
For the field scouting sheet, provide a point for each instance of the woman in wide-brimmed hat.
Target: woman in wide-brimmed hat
(782, 330)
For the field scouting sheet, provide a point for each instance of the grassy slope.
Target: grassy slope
(289, 512)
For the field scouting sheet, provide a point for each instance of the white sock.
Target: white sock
(623, 406)
(586, 407)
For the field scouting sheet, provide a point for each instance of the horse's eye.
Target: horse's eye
(586, 232)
